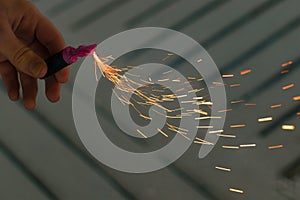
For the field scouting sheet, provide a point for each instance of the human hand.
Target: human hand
(26, 39)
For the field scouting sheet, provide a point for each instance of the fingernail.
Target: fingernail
(13, 95)
(37, 70)
(29, 105)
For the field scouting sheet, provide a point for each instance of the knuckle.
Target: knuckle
(19, 56)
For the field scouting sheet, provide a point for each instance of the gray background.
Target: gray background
(41, 156)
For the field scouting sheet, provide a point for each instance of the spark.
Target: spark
(163, 133)
(201, 141)
(181, 89)
(181, 96)
(236, 190)
(237, 125)
(217, 131)
(276, 106)
(235, 85)
(288, 127)
(187, 101)
(247, 145)
(209, 117)
(163, 80)
(296, 98)
(196, 90)
(167, 72)
(204, 127)
(276, 147)
(201, 112)
(197, 98)
(168, 56)
(226, 135)
(237, 101)
(228, 75)
(265, 119)
(176, 80)
(284, 71)
(218, 84)
(223, 168)
(205, 103)
(141, 133)
(230, 147)
(288, 86)
(298, 113)
(287, 64)
(244, 72)
(221, 111)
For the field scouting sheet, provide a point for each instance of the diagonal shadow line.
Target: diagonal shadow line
(27, 172)
(292, 170)
(250, 16)
(150, 12)
(192, 182)
(97, 14)
(202, 11)
(93, 164)
(293, 24)
(253, 51)
(277, 123)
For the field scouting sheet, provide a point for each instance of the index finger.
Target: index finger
(48, 35)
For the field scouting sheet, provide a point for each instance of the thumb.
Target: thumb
(19, 55)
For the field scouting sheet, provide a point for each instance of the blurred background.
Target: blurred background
(41, 156)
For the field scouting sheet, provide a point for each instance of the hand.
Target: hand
(26, 39)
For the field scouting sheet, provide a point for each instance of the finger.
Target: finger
(29, 89)
(52, 89)
(20, 56)
(48, 35)
(10, 80)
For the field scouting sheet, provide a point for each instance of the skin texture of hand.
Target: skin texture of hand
(26, 39)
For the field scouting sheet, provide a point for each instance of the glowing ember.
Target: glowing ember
(288, 127)
(244, 72)
(236, 190)
(265, 119)
(276, 106)
(296, 98)
(223, 168)
(247, 145)
(276, 147)
(237, 125)
(287, 64)
(288, 86)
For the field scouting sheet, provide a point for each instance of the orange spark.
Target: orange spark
(284, 71)
(237, 125)
(235, 85)
(276, 147)
(288, 86)
(287, 64)
(246, 71)
(296, 98)
(276, 106)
